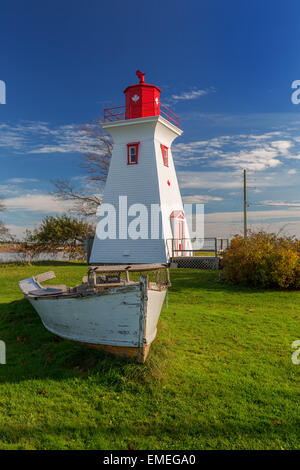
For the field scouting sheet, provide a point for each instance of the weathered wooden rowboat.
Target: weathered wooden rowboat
(116, 308)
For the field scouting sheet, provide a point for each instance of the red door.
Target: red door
(177, 225)
(180, 241)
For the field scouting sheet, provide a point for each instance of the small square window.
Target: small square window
(132, 153)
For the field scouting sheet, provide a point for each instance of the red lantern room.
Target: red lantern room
(142, 99)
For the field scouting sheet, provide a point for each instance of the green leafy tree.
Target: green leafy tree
(60, 233)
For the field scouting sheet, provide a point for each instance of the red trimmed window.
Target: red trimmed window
(133, 153)
(164, 151)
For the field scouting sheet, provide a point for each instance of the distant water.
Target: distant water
(23, 257)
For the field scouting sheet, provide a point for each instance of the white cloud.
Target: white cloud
(206, 180)
(192, 94)
(253, 216)
(43, 203)
(292, 171)
(282, 146)
(228, 230)
(253, 152)
(213, 180)
(227, 224)
(42, 138)
(21, 180)
(6, 189)
(19, 230)
(201, 199)
(257, 159)
(64, 148)
(17, 136)
(279, 203)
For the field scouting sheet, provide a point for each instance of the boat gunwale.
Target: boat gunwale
(95, 292)
(84, 294)
(92, 289)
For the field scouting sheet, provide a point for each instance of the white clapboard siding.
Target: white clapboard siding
(145, 183)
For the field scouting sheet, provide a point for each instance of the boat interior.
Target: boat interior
(99, 279)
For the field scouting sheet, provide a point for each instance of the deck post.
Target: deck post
(216, 247)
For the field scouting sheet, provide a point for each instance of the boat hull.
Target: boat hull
(121, 321)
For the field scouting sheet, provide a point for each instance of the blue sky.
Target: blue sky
(225, 67)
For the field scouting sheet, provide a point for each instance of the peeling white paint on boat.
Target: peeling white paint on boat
(102, 319)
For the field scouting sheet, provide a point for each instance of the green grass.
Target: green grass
(219, 374)
(204, 253)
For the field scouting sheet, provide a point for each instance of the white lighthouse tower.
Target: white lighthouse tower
(141, 180)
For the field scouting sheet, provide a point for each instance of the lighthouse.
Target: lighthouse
(141, 218)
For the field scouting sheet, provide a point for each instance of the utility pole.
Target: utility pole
(245, 204)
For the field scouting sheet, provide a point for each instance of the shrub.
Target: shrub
(263, 260)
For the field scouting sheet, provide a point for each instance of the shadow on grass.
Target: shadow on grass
(35, 353)
(227, 435)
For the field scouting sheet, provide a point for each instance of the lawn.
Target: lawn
(219, 374)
